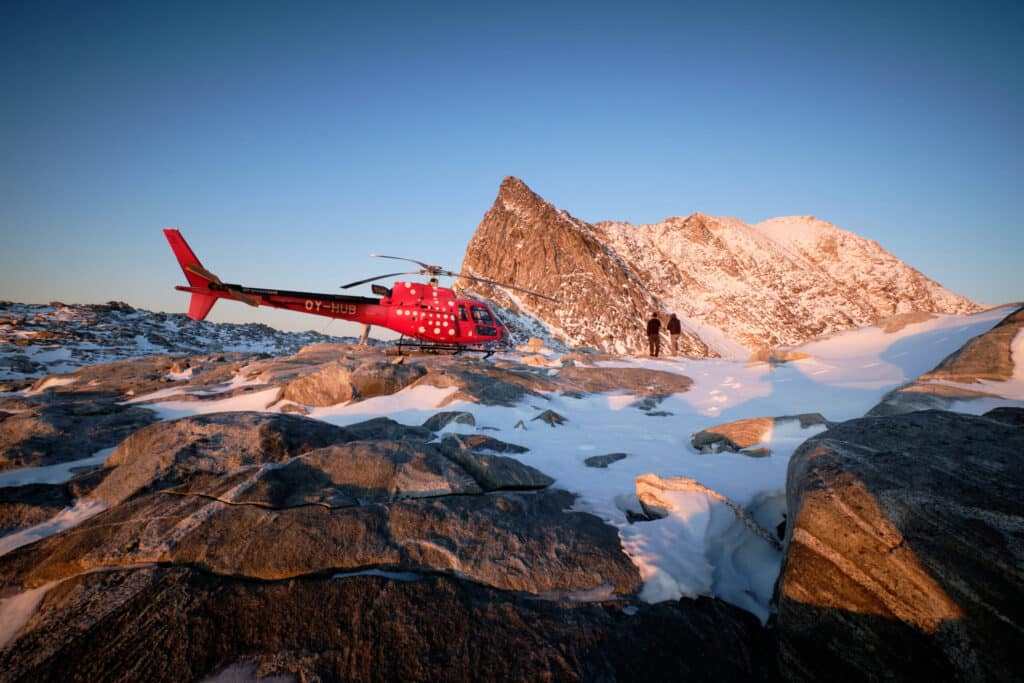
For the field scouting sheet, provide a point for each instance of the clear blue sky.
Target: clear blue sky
(289, 140)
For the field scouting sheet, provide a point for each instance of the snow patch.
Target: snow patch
(52, 474)
(50, 383)
(16, 610)
(67, 518)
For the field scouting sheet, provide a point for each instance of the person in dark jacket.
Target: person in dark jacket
(654, 333)
(675, 328)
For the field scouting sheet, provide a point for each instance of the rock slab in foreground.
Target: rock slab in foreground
(180, 624)
(905, 553)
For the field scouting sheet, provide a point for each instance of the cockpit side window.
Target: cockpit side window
(481, 315)
(462, 313)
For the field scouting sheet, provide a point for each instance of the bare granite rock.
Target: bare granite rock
(905, 551)
(191, 624)
(986, 357)
(61, 426)
(499, 473)
(439, 421)
(166, 453)
(274, 496)
(22, 506)
(741, 436)
(602, 461)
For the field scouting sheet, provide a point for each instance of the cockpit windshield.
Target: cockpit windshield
(481, 315)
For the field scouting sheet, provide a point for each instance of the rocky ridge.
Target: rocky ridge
(780, 282)
(38, 340)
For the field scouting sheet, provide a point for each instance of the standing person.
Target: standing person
(654, 333)
(675, 328)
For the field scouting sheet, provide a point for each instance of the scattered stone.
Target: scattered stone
(806, 420)
(439, 421)
(743, 436)
(603, 461)
(733, 436)
(480, 442)
(550, 417)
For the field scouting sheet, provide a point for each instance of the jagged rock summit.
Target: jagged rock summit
(737, 287)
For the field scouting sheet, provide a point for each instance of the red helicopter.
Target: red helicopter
(429, 315)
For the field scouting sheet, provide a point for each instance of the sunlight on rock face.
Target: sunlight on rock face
(840, 521)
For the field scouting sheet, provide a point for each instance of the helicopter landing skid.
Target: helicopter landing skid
(440, 347)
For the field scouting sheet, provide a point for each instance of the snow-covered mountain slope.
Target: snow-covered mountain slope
(44, 340)
(737, 287)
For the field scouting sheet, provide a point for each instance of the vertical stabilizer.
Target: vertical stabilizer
(198, 277)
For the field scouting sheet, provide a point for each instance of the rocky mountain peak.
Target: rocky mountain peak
(514, 190)
(736, 286)
(526, 242)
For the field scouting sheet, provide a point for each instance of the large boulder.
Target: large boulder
(273, 496)
(739, 436)
(905, 551)
(183, 623)
(337, 382)
(167, 453)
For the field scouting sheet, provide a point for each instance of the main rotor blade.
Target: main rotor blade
(377, 277)
(500, 284)
(410, 260)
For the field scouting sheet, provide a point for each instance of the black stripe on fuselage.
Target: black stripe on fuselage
(344, 298)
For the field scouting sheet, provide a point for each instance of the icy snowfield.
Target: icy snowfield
(700, 548)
